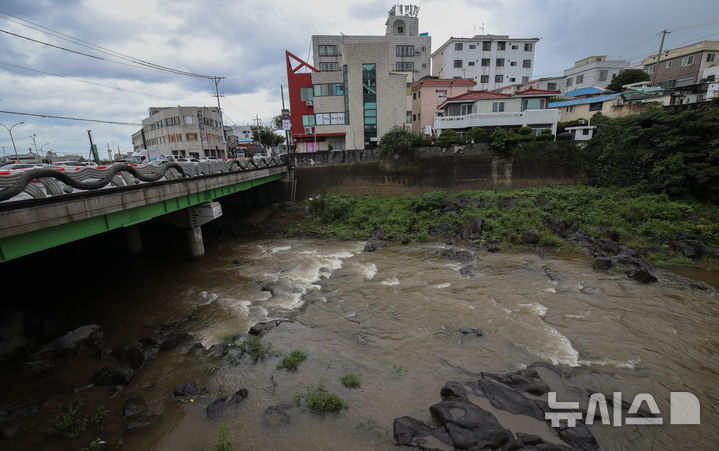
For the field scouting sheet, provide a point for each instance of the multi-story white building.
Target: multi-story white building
(492, 61)
(188, 131)
(359, 87)
(593, 71)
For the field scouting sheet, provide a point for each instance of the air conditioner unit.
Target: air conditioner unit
(308, 130)
(309, 102)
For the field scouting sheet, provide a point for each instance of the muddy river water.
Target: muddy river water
(393, 318)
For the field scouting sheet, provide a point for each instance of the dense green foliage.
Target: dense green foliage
(640, 219)
(677, 154)
(350, 380)
(400, 141)
(476, 135)
(254, 347)
(503, 140)
(447, 138)
(72, 421)
(223, 440)
(320, 400)
(292, 360)
(626, 77)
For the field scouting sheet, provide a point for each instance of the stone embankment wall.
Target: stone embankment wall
(434, 171)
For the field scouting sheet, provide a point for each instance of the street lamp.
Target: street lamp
(41, 149)
(11, 138)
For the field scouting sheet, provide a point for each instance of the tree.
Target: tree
(626, 77)
(277, 122)
(476, 135)
(503, 140)
(398, 140)
(447, 138)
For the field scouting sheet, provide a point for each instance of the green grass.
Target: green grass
(292, 360)
(70, 422)
(254, 347)
(223, 440)
(350, 380)
(318, 399)
(640, 219)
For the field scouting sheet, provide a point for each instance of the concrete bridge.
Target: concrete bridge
(43, 208)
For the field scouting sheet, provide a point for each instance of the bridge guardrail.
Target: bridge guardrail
(53, 181)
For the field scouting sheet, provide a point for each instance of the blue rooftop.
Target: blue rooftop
(586, 91)
(583, 101)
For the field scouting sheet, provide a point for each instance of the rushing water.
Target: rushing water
(392, 317)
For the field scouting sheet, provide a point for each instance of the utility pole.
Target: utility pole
(659, 54)
(9, 129)
(287, 132)
(217, 81)
(93, 149)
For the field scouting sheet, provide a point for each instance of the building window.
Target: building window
(485, 62)
(711, 57)
(400, 29)
(414, 96)
(306, 94)
(596, 106)
(580, 79)
(457, 63)
(470, 63)
(189, 120)
(688, 60)
(497, 107)
(308, 120)
(500, 62)
(347, 100)
(472, 46)
(603, 75)
(512, 79)
(458, 46)
(369, 99)
(570, 81)
(405, 66)
(525, 79)
(650, 69)
(552, 86)
(512, 63)
(484, 79)
(329, 89)
(533, 104)
(498, 78)
(487, 45)
(526, 63)
(329, 66)
(515, 47)
(408, 119)
(405, 50)
(569, 109)
(191, 136)
(501, 45)
(328, 50)
(414, 117)
(424, 65)
(441, 93)
(668, 64)
(329, 119)
(465, 109)
(528, 47)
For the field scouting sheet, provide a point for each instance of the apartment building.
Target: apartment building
(682, 66)
(188, 131)
(428, 93)
(593, 71)
(492, 61)
(358, 87)
(548, 83)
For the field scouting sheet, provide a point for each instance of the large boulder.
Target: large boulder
(114, 375)
(692, 248)
(75, 341)
(222, 404)
(260, 328)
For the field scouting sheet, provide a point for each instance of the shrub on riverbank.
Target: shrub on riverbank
(292, 360)
(320, 400)
(641, 220)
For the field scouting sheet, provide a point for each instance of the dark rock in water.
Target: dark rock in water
(466, 271)
(278, 415)
(467, 331)
(136, 356)
(259, 329)
(185, 389)
(530, 238)
(20, 410)
(75, 341)
(692, 248)
(373, 246)
(405, 240)
(473, 415)
(174, 340)
(602, 263)
(114, 375)
(196, 348)
(540, 253)
(553, 276)
(221, 404)
(236, 262)
(134, 406)
(462, 255)
(642, 275)
(493, 248)
(631, 261)
(141, 423)
(451, 241)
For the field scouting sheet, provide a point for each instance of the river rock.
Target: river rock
(114, 375)
(136, 356)
(373, 245)
(278, 415)
(691, 248)
(473, 330)
(74, 341)
(605, 247)
(185, 389)
(642, 275)
(530, 238)
(472, 231)
(134, 406)
(557, 225)
(602, 263)
(221, 404)
(260, 328)
(474, 415)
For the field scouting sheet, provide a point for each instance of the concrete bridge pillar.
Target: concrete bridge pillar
(133, 239)
(194, 239)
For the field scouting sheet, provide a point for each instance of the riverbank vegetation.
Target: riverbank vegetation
(646, 222)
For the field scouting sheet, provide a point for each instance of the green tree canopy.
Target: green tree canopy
(626, 77)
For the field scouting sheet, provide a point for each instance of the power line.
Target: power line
(84, 81)
(70, 118)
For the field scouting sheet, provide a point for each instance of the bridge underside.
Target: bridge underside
(34, 229)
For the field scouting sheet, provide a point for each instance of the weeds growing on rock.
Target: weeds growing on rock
(254, 347)
(223, 440)
(292, 360)
(319, 399)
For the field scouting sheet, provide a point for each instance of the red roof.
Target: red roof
(478, 95)
(445, 82)
(535, 92)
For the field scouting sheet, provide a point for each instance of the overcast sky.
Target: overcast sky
(245, 40)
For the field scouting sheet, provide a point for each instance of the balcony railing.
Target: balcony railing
(507, 118)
